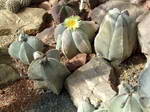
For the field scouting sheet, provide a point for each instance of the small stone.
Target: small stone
(47, 36)
(143, 35)
(45, 5)
(4, 56)
(7, 74)
(76, 62)
(93, 80)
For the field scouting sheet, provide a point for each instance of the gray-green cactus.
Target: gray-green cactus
(62, 11)
(50, 70)
(144, 88)
(74, 36)
(126, 101)
(116, 39)
(24, 48)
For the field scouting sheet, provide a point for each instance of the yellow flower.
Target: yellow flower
(72, 22)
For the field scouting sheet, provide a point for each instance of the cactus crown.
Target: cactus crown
(44, 61)
(23, 37)
(72, 22)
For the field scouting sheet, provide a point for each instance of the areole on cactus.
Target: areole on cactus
(74, 36)
(24, 48)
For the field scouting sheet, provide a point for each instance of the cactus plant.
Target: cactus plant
(24, 48)
(62, 11)
(50, 70)
(15, 5)
(116, 39)
(74, 36)
(144, 88)
(126, 100)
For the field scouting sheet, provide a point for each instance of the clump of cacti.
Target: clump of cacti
(48, 69)
(24, 48)
(15, 5)
(116, 39)
(74, 36)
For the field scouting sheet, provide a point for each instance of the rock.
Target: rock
(99, 12)
(143, 35)
(50, 102)
(138, 2)
(47, 36)
(45, 5)
(29, 21)
(4, 56)
(76, 61)
(147, 5)
(7, 74)
(93, 81)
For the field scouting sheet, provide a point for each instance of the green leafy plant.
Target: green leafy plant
(24, 48)
(74, 36)
(48, 69)
(116, 39)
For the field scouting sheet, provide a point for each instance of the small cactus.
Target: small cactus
(74, 36)
(126, 101)
(16, 5)
(2, 4)
(48, 69)
(61, 11)
(116, 39)
(24, 48)
(144, 88)
(13, 6)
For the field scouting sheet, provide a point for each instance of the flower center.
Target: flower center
(72, 22)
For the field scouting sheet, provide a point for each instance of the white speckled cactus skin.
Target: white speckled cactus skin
(2, 4)
(15, 5)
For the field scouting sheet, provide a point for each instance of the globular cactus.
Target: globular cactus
(116, 39)
(13, 5)
(24, 48)
(2, 4)
(61, 11)
(48, 69)
(144, 88)
(74, 36)
(127, 100)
